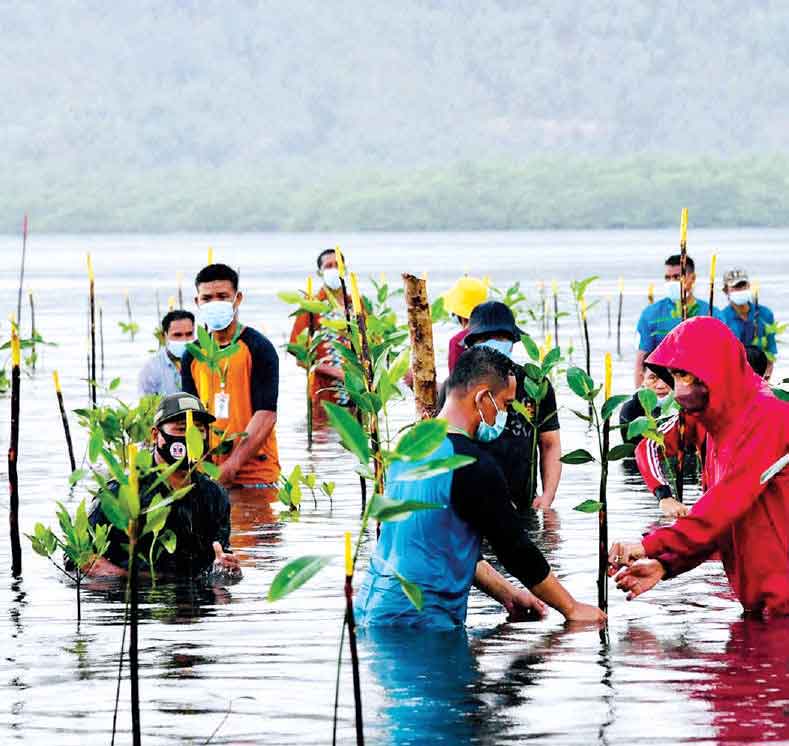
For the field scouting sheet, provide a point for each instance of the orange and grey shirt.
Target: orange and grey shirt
(251, 384)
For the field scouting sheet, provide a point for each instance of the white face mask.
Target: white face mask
(740, 297)
(331, 278)
(673, 291)
(217, 314)
(177, 347)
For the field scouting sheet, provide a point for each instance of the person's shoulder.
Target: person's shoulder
(256, 341)
(766, 312)
(653, 309)
(465, 446)
(211, 489)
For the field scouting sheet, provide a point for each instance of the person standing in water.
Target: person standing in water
(460, 300)
(243, 394)
(744, 511)
(162, 373)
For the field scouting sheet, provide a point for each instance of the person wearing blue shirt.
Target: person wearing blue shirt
(161, 373)
(659, 318)
(750, 321)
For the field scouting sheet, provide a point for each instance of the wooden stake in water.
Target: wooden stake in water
(586, 340)
(310, 372)
(683, 301)
(32, 330)
(712, 283)
(132, 588)
(179, 281)
(760, 340)
(602, 564)
(555, 291)
(92, 301)
(158, 308)
(101, 338)
(423, 359)
(350, 621)
(21, 272)
(127, 300)
(608, 312)
(619, 317)
(210, 255)
(171, 303)
(13, 456)
(64, 418)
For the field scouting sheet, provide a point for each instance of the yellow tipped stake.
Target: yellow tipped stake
(619, 317)
(101, 339)
(179, 283)
(351, 623)
(158, 307)
(171, 303)
(32, 330)
(608, 313)
(22, 271)
(13, 454)
(713, 266)
(64, 418)
(92, 302)
(651, 293)
(127, 300)
(602, 562)
(585, 324)
(683, 307)
(210, 255)
(555, 292)
(310, 373)
(761, 339)
(543, 308)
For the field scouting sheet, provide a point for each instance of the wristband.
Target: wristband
(663, 492)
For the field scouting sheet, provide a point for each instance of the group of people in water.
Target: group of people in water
(717, 363)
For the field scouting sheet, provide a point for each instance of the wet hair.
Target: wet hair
(215, 272)
(323, 253)
(757, 359)
(177, 315)
(675, 260)
(480, 365)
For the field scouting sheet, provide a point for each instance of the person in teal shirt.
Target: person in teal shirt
(750, 321)
(659, 318)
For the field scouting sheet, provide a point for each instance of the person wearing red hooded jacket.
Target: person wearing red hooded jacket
(744, 512)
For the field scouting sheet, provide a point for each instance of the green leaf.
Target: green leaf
(434, 468)
(589, 506)
(295, 574)
(639, 426)
(168, 540)
(781, 394)
(114, 383)
(648, 399)
(167, 502)
(194, 443)
(579, 288)
(581, 415)
(290, 297)
(400, 366)
(579, 382)
(534, 372)
(94, 444)
(531, 388)
(551, 359)
(422, 440)
(578, 456)
(76, 476)
(611, 405)
(383, 508)
(774, 469)
(131, 497)
(315, 307)
(522, 409)
(116, 513)
(621, 451)
(412, 591)
(532, 350)
(154, 522)
(353, 437)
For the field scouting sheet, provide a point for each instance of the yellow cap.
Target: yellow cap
(464, 296)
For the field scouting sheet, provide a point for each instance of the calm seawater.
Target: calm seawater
(681, 667)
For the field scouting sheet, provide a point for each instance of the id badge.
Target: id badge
(221, 406)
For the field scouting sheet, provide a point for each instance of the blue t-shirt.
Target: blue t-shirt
(745, 329)
(659, 318)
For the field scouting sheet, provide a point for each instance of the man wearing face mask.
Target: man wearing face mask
(743, 512)
(632, 409)
(492, 324)
(440, 549)
(749, 322)
(162, 373)
(328, 373)
(659, 318)
(200, 520)
(243, 394)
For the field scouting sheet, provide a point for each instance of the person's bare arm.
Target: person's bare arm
(558, 597)
(638, 373)
(550, 445)
(519, 602)
(100, 567)
(244, 449)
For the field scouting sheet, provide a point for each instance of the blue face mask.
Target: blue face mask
(217, 314)
(176, 348)
(504, 346)
(673, 291)
(485, 432)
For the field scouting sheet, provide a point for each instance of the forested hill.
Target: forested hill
(113, 110)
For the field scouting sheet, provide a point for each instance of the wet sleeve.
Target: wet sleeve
(187, 379)
(645, 341)
(649, 458)
(549, 415)
(264, 380)
(223, 517)
(480, 497)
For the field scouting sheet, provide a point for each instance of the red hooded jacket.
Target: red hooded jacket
(747, 432)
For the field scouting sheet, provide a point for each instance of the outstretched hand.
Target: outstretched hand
(623, 554)
(640, 577)
(525, 607)
(672, 508)
(225, 563)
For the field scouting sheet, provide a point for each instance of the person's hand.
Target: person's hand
(672, 508)
(524, 606)
(624, 553)
(639, 577)
(225, 563)
(100, 567)
(585, 613)
(227, 474)
(541, 502)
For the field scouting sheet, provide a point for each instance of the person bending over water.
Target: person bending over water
(740, 517)
(439, 550)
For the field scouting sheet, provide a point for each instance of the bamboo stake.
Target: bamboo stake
(179, 281)
(544, 308)
(101, 338)
(21, 272)
(210, 255)
(683, 299)
(423, 360)
(127, 300)
(92, 300)
(608, 313)
(310, 373)
(158, 308)
(602, 563)
(712, 283)
(341, 271)
(13, 455)
(64, 417)
(351, 622)
(555, 291)
(651, 293)
(588, 349)
(32, 330)
(619, 317)
(755, 287)
(134, 678)
(171, 303)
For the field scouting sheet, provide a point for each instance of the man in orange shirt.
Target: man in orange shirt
(327, 372)
(243, 396)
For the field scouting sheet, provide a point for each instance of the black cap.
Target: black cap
(491, 317)
(175, 406)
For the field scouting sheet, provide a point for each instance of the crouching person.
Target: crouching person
(200, 520)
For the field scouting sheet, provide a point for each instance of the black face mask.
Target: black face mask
(174, 448)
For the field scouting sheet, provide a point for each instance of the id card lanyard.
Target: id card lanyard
(222, 398)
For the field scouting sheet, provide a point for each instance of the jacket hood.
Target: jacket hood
(705, 347)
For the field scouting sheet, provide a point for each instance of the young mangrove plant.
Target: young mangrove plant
(583, 385)
(130, 326)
